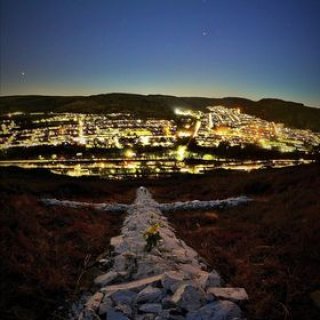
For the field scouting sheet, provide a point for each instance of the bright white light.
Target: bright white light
(129, 153)
(181, 153)
(145, 140)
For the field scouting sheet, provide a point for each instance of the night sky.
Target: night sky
(213, 48)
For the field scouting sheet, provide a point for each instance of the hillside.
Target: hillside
(160, 106)
(270, 247)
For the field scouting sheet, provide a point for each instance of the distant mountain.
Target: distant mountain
(291, 114)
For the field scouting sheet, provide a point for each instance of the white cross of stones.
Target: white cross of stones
(143, 193)
(169, 280)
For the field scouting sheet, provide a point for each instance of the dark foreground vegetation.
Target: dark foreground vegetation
(271, 247)
(292, 114)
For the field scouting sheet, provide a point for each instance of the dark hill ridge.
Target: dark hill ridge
(291, 114)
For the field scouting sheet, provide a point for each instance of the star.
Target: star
(204, 33)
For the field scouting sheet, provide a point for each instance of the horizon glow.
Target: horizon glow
(212, 48)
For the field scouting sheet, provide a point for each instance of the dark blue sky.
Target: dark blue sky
(214, 48)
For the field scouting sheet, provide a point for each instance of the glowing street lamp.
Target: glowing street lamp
(181, 153)
(129, 153)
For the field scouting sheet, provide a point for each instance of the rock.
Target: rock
(120, 263)
(171, 280)
(206, 279)
(233, 294)
(145, 316)
(202, 279)
(106, 278)
(214, 279)
(123, 297)
(196, 204)
(105, 305)
(94, 301)
(190, 271)
(145, 269)
(86, 315)
(107, 295)
(128, 254)
(176, 317)
(164, 315)
(112, 314)
(179, 258)
(151, 308)
(315, 297)
(169, 315)
(103, 308)
(156, 252)
(219, 310)
(169, 243)
(104, 261)
(188, 297)
(125, 309)
(123, 274)
(227, 310)
(116, 241)
(149, 294)
(134, 285)
(167, 303)
(190, 253)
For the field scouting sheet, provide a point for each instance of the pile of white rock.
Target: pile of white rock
(203, 205)
(169, 282)
(117, 207)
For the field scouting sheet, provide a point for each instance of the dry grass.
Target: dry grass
(45, 251)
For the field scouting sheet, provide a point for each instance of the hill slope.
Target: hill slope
(270, 247)
(161, 106)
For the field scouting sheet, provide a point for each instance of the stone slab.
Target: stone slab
(232, 294)
(133, 284)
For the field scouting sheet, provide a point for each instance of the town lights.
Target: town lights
(129, 153)
(177, 111)
(181, 153)
(145, 140)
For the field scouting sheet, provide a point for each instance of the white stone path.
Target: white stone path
(170, 282)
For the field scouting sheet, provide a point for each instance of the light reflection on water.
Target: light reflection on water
(121, 169)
